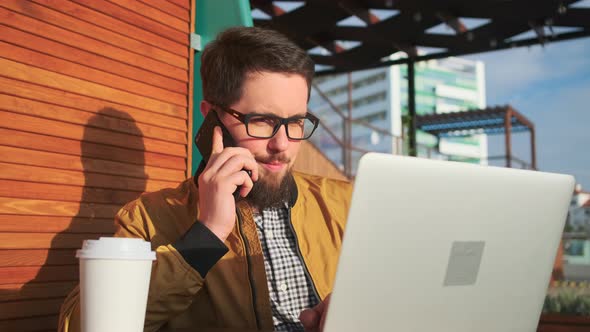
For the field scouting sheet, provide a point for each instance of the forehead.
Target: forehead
(280, 94)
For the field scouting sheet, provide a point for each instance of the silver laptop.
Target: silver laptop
(446, 246)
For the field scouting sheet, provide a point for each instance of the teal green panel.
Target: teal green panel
(213, 16)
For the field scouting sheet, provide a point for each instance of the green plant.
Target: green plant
(567, 301)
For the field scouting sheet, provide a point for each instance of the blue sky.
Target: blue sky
(551, 87)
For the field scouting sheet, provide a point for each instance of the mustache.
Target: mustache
(275, 158)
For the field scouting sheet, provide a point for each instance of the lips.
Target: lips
(274, 166)
(274, 163)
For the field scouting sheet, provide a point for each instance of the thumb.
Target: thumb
(217, 141)
(310, 319)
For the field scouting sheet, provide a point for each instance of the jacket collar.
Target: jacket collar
(294, 194)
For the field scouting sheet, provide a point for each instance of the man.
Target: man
(246, 244)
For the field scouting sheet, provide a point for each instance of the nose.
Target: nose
(279, 142)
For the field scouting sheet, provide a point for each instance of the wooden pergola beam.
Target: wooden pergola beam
(452, 22)
(356, 8)
(268, 7)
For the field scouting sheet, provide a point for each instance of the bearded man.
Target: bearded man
(246, 244)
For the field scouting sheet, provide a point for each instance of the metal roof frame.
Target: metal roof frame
(316, 23)
(397, 39)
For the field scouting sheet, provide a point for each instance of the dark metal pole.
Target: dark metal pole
(508, 129)
(533, 149)
(349, 128)
(412, 109)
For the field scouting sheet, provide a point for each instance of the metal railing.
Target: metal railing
(521, 163)
(343, 142)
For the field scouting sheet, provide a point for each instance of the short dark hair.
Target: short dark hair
(239, 51)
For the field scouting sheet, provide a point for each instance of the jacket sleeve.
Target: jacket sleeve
(177, 274)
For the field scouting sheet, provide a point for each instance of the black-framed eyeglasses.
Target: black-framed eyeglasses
(299, 127)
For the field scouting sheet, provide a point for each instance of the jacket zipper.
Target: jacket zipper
(305, 269)
(249, 264)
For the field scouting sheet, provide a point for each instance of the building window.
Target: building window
(370, 99)
(375, 117)
(356, 84)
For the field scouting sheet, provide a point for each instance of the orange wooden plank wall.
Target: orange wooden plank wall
(94, 98)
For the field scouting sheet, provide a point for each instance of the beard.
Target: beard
(272, 190)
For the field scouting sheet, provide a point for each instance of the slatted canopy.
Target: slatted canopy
(491, 120)
(346, 35)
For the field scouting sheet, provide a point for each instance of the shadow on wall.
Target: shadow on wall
(113, 175)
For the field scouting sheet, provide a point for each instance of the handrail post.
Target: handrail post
(412, 109)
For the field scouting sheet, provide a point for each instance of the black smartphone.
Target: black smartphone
(204, 138)
(204, 141)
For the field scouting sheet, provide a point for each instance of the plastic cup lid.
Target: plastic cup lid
(116, 248)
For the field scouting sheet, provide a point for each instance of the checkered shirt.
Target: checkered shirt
(290, 290)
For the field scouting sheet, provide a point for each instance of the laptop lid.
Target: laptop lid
(447, 246)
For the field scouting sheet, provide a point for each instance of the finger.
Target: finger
(237, 163)
(217, 141)
(309, 319)
(245, 183)
(217, 161)
(240, 181)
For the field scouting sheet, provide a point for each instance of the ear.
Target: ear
(205, 108)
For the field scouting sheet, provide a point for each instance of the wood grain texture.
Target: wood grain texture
(191, 130)
(19, 292)
(74, 147)
(155, 14)
(104, 119)
(128, 16)
(113, 24)
(88, 165)
(71, 23)
(44, 240)
(22, 309)
(23, 206)
(55, 224)
(26, 274)
(88, 134)
(181, 3)
(71, 69)
(47, 175)
(37, 257)
(58, 97)
(170, 8)
(89, 59)
(23, 72)
(67, 37)
(94, 104)
(67, 193)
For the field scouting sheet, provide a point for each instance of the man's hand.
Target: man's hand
(223, 174)
(313, 319)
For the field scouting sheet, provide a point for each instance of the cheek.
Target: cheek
(293, 151)
(257, 147)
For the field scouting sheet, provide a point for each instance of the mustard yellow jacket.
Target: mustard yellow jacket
(234, 294)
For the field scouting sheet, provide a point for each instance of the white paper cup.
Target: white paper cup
(114, 283)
